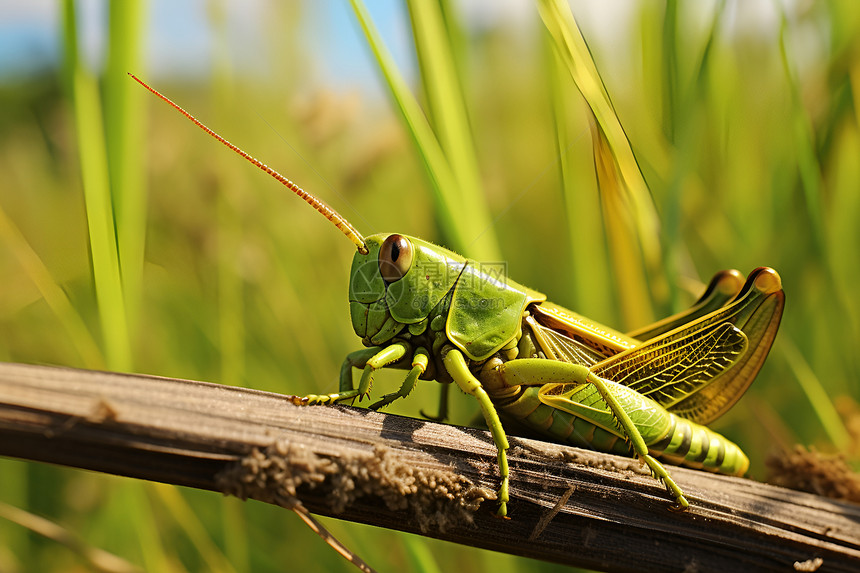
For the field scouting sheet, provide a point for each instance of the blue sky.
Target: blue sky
(179, 39)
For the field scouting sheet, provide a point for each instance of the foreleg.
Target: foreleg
(380, 358)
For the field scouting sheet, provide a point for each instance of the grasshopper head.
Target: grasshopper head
(397, 283)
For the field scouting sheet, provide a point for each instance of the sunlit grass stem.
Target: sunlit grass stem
(92, 151)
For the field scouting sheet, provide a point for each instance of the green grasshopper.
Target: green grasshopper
(425, 309)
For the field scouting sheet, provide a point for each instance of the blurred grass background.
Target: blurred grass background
(130, 241)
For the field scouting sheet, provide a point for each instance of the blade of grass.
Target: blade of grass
(156, 554)
(124, 121)
(812, 183)
(631, 218)
(683, 123)
(231, 305)
(54, 295)
(17, 489)
(670, 69)
(446, 102)
(808, 166)
(817, 396)
(843, 235)
(684, 164)
(626, 258)
(100, 214)
(96, 559)
(458, 41)
(460, 215)
(586, 235)
(189, 522)
(234, 527)
(421, 558)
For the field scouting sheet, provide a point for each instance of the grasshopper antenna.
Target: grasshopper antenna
(323, 208)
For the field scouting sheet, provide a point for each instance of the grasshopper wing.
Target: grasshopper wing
(671, 368)
(723, 288)
(566, 336)
(759, 311)
(699, 370)
(667, 369)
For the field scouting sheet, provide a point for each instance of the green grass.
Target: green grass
(154, 249)
(83, 90)
(446, 147)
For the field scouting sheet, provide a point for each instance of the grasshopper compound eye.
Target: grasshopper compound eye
(395, 258)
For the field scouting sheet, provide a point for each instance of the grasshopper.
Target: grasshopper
(425, 309)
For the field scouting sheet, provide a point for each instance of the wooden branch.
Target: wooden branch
(417, 476)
